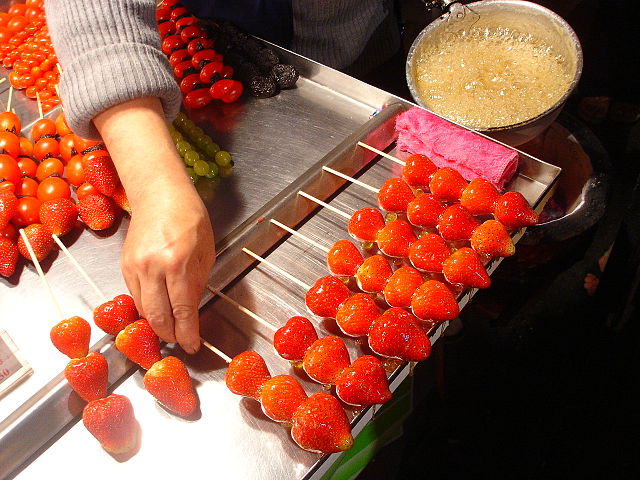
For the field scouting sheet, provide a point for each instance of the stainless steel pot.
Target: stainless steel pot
(518, 15)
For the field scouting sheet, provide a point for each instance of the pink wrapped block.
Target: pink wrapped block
(448, 145)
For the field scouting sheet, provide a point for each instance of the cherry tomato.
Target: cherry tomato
(163, 14)
(9, 143)
(85, 190)
(26, 147)
(9, 231)
(67, 149)
(74, 171)
(183, 69)
(27, 166)
(50, 166)
(14, 80)
(171, 44)
(27, 187)
(41, 84)
(5, 34)
(9, 170)
(179, 12)
(17, 23)
(31, 92)
(53, 187)
(28, 212)
(4, 18)
(234, 92)
(45, 127)
(227, 71)
(189, 32)
(10, 122)
(61, 125)
(32, 13)
(179, 56)
(183, 22)
(170, 4)
(197, 98)
(46, 147)
(201, 58)
(211, 72)
(166, 28)
(9, 186)
(198, 44)
(17, 9)
(190, 82)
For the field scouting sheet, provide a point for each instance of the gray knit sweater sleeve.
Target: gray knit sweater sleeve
(109, 51)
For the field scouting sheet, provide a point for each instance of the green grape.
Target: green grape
(192, 174)
(223, 158)
(211, 149)
(183, 147)
(171, 128)
(200, 141)
(213, 170)
(201, 167)
(181, 118)
(191, 157)
(208, 141)
(190, 131)
(196, 130)
(176, 136)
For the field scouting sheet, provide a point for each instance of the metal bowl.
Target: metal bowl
(518, 15)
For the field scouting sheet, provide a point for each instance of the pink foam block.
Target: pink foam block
(448, 145)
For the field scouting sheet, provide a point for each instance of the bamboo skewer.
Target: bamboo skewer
(276, 268)
(39, 105)
(295, 233)
(381, 153)
(9, 98)
(215, 350)
(242, 308)
(352, 180)
(325, 205)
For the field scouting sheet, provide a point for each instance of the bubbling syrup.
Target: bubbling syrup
(485, 78)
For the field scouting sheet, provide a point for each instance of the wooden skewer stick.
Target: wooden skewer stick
(242, 308)
(9, 98)
(59, 68)
(299, 235)
(79, 268)
(276, 268)
(39, 105)
(215, 350)
(3, 79)
(351, 179)
(325, 205)
(47, 287)
(381, 153)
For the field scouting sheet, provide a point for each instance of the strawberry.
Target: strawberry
(364, 383)
(88, 376)
(397, 334)
(395, 195)
(97, 211)
(139, 343)
(425, 210)
(120, 197)
(344, 258)
(8, 206)
(8, 257)
(355, 315)
(479, 197)
(513, 211)
(401, 285)
(456, 223)
(111, 420)
(365, 223)
(293, 339)
(280, 397)
(325, 359)
(71, 336)
(246, 374)
(114, 315)
(100, 172)
(465, 267)
(59, 214)
(395, 238)
(417, 170)
(169, 382)
(447, 184)
(321, 425)
(491, 238)
(373, 274)
(39, 237)
(326, 295)
(434, 301)
(428, 252)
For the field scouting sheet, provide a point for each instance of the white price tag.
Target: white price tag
(13, 368)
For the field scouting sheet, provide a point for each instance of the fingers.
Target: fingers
(184, 294)
(156, 306)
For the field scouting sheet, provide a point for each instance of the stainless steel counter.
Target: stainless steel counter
(278, 146)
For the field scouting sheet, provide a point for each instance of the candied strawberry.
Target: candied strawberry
(428, 252)
(355, 315)
(293, 339)
(8, 257)
(100, 172)
(139, 343)
(395, 195)
(373, 274)
(397, 334)
(344, 259)
(88, 376)
(169, 382)
(479, 197)
(326, 295)
(425, 210)
(395, 238)
(401, 285)
(59, 214)
(417, 170)
(464, 267)
(513, 211)
(40, 239)
(97, 211)
(365, 223)
(364, 383)
(71, 336)
(491, 238)
(111, 420)
(280, 397)
(325, 359)
(246, 374)
(447, 184)
(457, 223)
(321, 425)
(8, 205)
(434, 301)
(114, 315)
